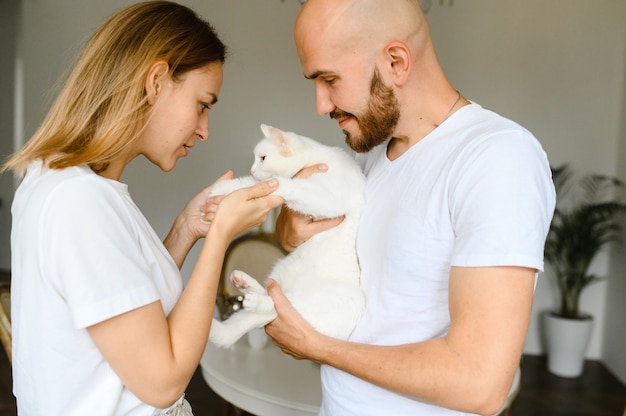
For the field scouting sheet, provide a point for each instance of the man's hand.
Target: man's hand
(293, 228)
(290, 331)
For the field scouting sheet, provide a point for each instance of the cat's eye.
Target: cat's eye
(262, 158)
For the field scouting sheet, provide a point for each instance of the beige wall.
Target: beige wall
(555, 66)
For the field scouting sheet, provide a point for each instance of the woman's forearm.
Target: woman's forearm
(190, 320)
(179, 241)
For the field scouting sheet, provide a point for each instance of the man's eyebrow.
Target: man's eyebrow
(316, 74)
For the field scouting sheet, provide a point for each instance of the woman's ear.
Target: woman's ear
(155, 80)
(398, 57)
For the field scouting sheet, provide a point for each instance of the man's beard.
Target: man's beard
(378, 122)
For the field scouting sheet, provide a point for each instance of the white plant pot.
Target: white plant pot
(567, 341)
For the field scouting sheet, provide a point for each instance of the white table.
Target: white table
(264, 382)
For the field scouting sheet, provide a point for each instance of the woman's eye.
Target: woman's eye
(204, 106)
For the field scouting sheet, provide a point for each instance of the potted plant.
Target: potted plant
(588, 217)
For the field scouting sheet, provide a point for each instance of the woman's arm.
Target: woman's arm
(154, 355)
(192, 223)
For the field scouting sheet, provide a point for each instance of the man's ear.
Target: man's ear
(398, 57)
(155, 80)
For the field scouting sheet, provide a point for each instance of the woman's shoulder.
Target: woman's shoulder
(75, 187)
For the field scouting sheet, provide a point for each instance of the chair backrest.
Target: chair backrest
(5, 319)
(254, 254)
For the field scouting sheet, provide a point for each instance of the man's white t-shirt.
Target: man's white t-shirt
(475, 192)
(82, 252)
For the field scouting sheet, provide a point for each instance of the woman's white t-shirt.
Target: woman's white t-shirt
(82, 252)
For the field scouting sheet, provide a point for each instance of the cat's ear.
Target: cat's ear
(277, 136)
(266, 130)
(272, 132)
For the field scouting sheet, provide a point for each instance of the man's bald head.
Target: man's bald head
(347, 45)
(360, 26)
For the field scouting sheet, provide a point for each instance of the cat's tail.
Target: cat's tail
(224, 334)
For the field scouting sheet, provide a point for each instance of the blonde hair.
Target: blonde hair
(102, 107)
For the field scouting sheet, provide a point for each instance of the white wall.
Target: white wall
(8, 43)
(615, 328)
(555, 66)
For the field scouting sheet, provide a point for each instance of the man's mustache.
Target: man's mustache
(335, 114)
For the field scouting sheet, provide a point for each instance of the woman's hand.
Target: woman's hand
(242, 209)
(200, 210)
(196, 218)
(292, 228)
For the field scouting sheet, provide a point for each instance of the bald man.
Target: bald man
(458, 205)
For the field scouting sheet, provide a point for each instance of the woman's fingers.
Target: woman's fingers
(245, 208)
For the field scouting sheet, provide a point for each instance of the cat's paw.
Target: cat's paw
(258, 303)
(245, 283)
(239, 281)
(250, 301)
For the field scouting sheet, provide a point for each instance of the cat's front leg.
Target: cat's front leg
(310, 196)
(286, 188)
(230, 185)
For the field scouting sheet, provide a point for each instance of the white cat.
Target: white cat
(321, 276)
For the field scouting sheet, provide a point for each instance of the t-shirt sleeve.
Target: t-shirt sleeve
(94, 254)
(502, 202)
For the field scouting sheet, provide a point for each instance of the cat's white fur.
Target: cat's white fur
(321, 276)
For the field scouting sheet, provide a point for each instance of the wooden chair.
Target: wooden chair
(5, 319)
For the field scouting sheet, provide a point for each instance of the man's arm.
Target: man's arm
(293, 229)
(469, 369)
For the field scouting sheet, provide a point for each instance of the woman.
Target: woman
(102, 325)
